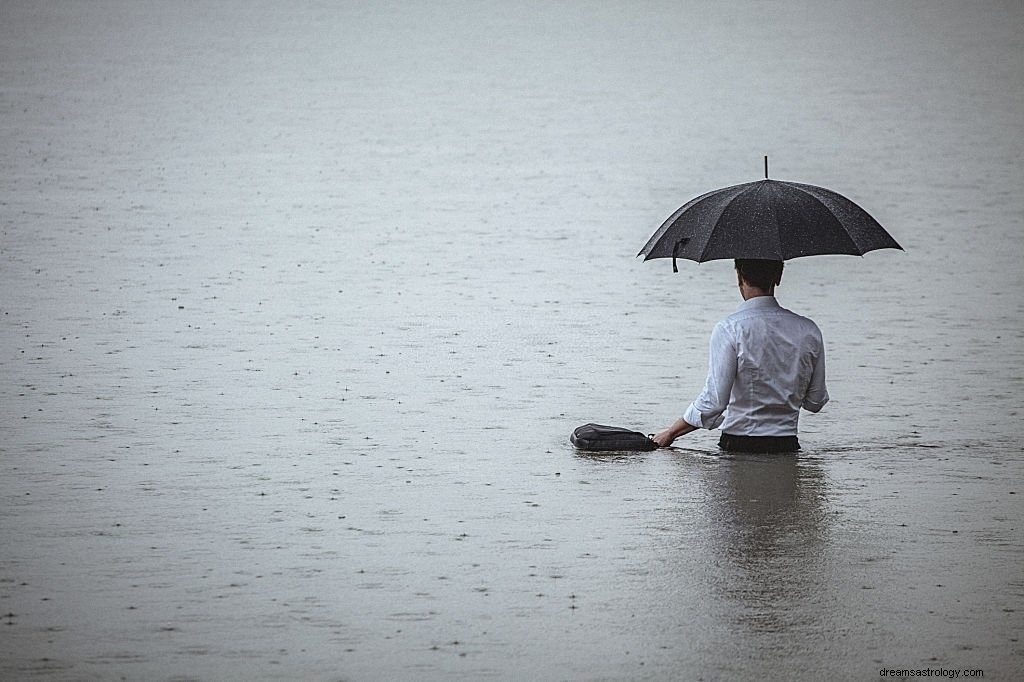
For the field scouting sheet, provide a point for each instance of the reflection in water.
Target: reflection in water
(731, 561)
(767, 536)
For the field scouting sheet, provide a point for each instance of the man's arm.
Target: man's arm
(707, 409)
(817, 394)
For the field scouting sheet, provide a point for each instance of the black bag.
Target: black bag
(604, 438)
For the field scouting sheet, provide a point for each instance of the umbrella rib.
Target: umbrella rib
(670, 223)
(827, 201)
(726, 205)
(774, 219)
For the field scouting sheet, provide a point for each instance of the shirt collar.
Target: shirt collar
(759, 302)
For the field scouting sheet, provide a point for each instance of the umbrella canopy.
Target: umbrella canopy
(770, 220)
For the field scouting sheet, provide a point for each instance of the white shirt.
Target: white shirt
(766, 363)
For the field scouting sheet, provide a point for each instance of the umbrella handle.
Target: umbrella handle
(683, 241)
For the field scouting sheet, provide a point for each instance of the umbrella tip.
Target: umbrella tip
(766, 167)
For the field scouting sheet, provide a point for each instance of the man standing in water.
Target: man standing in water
(766, 363)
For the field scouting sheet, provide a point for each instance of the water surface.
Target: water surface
(300, 305)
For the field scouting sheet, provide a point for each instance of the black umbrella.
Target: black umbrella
(768, 219)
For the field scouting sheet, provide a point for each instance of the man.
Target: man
(765, 364)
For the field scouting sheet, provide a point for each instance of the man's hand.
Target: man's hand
(663, 439)
(668, 436)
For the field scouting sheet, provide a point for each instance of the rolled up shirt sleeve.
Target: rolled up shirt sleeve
(817, 393)
(708, 410)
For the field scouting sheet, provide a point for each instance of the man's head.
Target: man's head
(759, 274)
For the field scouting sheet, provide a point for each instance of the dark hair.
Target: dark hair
(763, 274)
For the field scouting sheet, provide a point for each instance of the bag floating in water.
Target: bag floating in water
(596, 437)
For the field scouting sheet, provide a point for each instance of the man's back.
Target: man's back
(780, 368)
(765, 363)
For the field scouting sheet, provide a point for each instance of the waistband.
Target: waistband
(771, 444)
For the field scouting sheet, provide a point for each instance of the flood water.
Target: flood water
(301, 302)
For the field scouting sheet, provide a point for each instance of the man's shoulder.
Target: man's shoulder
(790, 313)
(804, 327)
(799, 319)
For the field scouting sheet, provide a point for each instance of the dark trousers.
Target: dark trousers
(770, 444)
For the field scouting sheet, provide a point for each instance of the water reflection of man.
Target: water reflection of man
(765, 363)
(771, 528)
